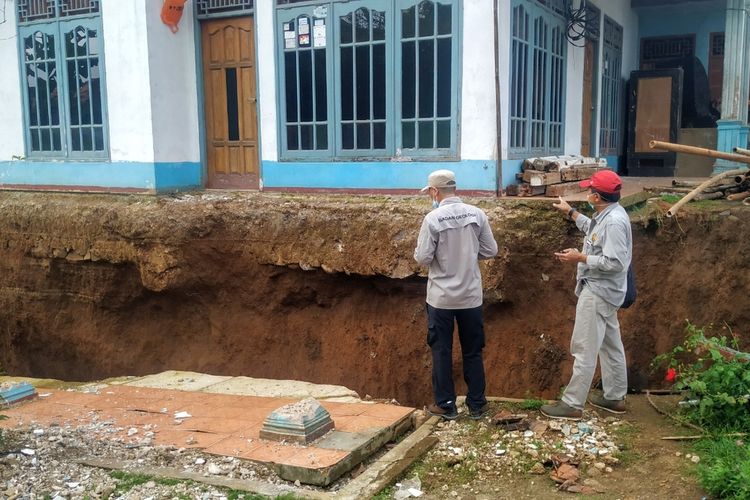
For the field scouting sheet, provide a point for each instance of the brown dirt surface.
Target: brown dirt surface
(325, 289)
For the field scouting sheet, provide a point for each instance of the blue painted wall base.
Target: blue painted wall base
(730, 134)
(102, 176)
(473, 175)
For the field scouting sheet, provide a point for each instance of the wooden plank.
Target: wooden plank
(578, 173)
(524, 189)
(563, 189)
(538, 178)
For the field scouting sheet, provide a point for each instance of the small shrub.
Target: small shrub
(717, 389)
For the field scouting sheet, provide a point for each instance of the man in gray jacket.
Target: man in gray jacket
(453, 237)
(601, 283)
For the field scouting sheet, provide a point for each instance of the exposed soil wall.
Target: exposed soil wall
(324, 289)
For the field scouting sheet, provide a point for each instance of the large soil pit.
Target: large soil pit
(325, 289)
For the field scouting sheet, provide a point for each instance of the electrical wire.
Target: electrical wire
(583, 23)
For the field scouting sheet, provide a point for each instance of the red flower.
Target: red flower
(671, 375)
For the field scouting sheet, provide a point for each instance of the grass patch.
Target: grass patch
(724, 469)
(126, 481)
(625, 435)
(670, 198)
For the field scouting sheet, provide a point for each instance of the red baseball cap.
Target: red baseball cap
(604, 181)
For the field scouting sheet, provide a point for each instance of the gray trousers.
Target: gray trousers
(596, 333)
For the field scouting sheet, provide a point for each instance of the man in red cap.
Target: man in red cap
(601, 283)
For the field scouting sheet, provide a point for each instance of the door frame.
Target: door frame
(595, 104)
(201, 94)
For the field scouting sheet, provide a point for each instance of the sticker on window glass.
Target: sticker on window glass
(288, 26)
(321, 11)
(304, 29)
(319, 34)
(289, 34)
(289, 43)
(304, 40)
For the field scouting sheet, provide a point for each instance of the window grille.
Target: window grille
(62, 85)
(216, 8)
(669, 47)
(30, 11)
(426, 76)
(342, 94)
(537, 80)
(557, 6)
(717, 45)
(612, 89)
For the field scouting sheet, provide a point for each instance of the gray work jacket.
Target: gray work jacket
(608, 245)
(452, 239)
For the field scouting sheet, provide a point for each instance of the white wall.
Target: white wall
(503, 61)
(127, 73)
(574, 97)
(11, 102)
(478, 117)
(174, 102)
(266, 54)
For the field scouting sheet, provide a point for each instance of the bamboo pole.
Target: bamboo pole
(739, 196)
(713, 180)
(681, 148)
(742, 151)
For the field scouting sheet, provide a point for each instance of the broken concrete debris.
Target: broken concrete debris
(554, 176)
(569, 453)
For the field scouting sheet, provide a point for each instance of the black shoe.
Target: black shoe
(478, 413)
(437, 411)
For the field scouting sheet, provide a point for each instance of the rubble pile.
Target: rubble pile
(554, 176)
(571, 454)
(45, 462)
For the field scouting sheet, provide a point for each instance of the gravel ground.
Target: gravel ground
(37, 462)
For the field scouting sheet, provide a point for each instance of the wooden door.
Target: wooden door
(230, 102)
(587, 110)
(654, 113)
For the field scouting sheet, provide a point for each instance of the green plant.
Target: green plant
(724, 470)
(717, 386)
(532, 404)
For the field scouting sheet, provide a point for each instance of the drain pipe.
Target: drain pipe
(498, 118)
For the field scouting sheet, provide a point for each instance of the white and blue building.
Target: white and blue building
(358, 95)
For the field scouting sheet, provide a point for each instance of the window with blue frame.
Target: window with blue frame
(62, 72)
(537, 77)
(368, 79)
(612, 89)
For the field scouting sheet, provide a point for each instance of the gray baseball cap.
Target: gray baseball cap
(440, 179)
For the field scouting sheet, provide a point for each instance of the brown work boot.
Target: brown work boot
(438, 411)
(562, 411)
(610, 405)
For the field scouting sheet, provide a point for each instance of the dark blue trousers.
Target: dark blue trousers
(440, 339)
